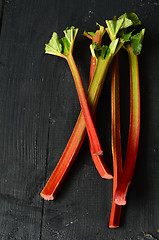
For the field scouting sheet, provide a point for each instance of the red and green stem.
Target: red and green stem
(134, 131)
(94, 141)
(115, 140)
(99, 161)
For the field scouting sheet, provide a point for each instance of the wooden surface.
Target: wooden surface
(38, 110)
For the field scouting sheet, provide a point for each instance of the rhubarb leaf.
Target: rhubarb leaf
(104, 51)
(119, 26)
(126, 36)
(114, 26)
(126, 23)
(98, 50)
(70, 34)
(62, 47)
(131, 17)
(136, 42)
(65, 46)
(54, 47)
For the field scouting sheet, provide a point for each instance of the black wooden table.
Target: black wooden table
(38, 110)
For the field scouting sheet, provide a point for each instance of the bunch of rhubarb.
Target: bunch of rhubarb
(123, 35)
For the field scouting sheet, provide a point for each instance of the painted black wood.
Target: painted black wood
(38, 110)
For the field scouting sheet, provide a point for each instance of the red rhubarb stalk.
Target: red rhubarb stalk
(134, 130)
(64, 49)
(116, 141)
(93, 138)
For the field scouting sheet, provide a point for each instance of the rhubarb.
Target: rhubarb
(98, 160)
(133, 48)
(64, 49)
(113, 28)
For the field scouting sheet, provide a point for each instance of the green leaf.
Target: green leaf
(114, 26)
(126, 36)
(104, 50)
(133, 17)
(70, 34)
(136, 42)
(63, 46)
(54, 46)
(98, 50)
(126, 23)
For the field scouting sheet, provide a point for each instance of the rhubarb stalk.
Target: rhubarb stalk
(95, 145)
(134, 130)
(64, 49)
(115, 140)
(98, 160)
(133, 47)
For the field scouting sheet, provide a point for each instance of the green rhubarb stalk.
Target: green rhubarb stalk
(134, 131)
(64, 49)
(104, 56)
(99, 161)
(133, 49)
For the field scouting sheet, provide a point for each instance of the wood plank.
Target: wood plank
(24, 121)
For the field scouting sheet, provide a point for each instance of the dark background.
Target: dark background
(38, 110)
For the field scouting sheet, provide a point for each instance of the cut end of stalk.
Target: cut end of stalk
(113, 226)
(120, 199)
(101, 166)
(107, 176)
(47, 197)
(115, 216)
(98, 153)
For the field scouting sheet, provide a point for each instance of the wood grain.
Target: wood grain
(38, 109)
